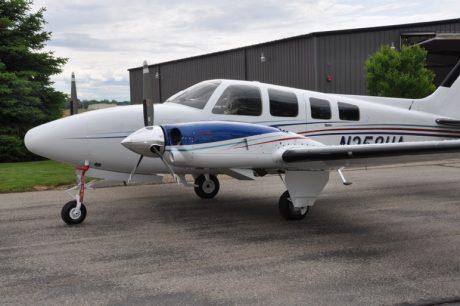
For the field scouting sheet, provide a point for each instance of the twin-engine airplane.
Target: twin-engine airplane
(245, 129)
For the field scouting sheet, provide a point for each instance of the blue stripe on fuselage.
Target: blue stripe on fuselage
(209, 131)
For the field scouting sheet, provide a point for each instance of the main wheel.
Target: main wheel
(206, 189)
(287, 209)
(70, 215)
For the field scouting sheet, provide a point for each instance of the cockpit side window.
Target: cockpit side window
(244, 100)
(283, 103)
(196, 96)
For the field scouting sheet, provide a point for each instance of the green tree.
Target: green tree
(26, 96)
(403, 74)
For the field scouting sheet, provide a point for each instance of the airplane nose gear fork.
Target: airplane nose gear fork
(74, 212)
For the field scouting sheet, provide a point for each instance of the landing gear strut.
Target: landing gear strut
(206, 186)
(287, 209)
(74, 212)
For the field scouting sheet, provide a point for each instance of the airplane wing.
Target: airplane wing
(240, 148)
(372, 154)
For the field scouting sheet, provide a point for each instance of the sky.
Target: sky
(104, 38)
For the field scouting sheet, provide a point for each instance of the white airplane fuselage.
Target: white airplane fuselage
(95, 136)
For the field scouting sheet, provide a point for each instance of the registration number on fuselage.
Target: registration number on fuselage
(351, 140)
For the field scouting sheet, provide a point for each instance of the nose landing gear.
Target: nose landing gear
(74, 212)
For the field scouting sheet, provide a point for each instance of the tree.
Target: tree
(403, 74)
(26, 96)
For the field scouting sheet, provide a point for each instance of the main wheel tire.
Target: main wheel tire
(69, 215)
(206, 189)
(287, 209)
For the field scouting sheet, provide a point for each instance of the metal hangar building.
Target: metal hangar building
(331, 62)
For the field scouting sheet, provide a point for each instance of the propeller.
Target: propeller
(150, 140)
(147, 100)
(148, 110)
(73, 96)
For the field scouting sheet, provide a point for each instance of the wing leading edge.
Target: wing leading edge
(374, 154)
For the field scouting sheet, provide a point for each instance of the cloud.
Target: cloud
(103, 38)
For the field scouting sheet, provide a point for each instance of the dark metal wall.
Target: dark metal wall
(301, 62)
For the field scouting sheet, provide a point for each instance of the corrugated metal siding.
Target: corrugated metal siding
(343, 57)
(286, 63)
(302, 62)
(179, 75)
(155, 71)
(135, 86)
(135, 83)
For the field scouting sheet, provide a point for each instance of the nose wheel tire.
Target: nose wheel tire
(287, 209)
(206, 188)
(70, 215)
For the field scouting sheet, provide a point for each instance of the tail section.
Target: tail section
(445, 101)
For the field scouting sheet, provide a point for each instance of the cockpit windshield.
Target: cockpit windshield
(196, 96)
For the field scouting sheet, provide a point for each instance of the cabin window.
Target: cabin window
(348, 111)
(243, 100)
(196, 96)
(320, 109)
(283, 103)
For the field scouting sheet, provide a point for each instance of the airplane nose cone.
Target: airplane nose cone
(32, 140)
(63, 140)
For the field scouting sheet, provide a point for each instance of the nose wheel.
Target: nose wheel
(287, 209)
(71, 214)
(207, 186)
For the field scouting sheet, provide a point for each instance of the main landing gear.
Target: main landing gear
(74, 212)
(206, 186)
(287, 209)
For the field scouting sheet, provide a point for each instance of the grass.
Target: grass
(30, 176)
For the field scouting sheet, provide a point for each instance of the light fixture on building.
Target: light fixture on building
(157, 75)
(263, 59)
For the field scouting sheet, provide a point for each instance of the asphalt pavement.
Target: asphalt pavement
(391, 238)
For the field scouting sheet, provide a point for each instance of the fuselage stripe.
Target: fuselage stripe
(383, 129)
(384, 133)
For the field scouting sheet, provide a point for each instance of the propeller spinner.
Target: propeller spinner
(148, 141)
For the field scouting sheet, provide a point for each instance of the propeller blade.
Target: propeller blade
(73, 96)
(175, 177)
(135, 169)
(147, 99)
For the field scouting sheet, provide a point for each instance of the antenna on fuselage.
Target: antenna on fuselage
(73, 96)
